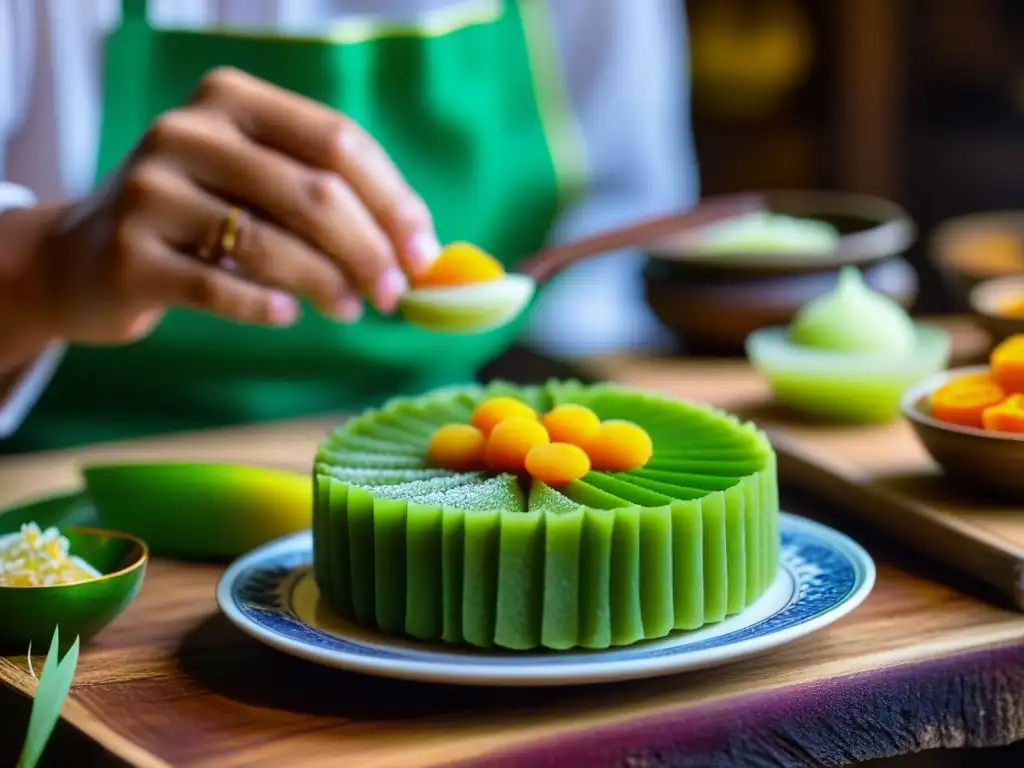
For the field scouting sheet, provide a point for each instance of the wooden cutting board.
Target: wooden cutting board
(881, 475)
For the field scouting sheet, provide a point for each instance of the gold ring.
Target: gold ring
(222, 240)
(229, 231)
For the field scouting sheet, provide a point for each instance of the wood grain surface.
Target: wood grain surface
(922, 664)
(879, 474)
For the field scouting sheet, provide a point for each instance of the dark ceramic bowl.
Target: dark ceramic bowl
(970, 250)
(714, 301)
(987, 461)
(985, 301)
(870, 229)
(31, 613)
(716, 316)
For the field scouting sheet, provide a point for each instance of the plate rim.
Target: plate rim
(548, 675)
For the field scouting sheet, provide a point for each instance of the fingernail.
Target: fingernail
(422, 251)
(284, 309)
(348, 308)
(388, 288)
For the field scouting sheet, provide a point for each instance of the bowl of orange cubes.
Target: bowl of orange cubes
(971, 421)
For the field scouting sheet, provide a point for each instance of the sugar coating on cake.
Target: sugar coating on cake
(500, 559)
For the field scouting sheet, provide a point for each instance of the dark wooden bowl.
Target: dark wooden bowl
(972, 249)
(711, 302)
(715, 316)
(989, 462)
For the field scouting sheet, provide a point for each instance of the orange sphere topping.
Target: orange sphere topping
(510, 441)
(570, 423)
(557, 463)
(460, 264)
(496, 409)
(619, 447)
(457, 446)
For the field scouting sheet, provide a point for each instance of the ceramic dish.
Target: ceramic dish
(986, 300)
(870, 229)
(841, 386)
(969, 250)
(31, 613)
(717, 314)
(983, 459)
(270, 594)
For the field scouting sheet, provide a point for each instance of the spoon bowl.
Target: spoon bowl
(472, 308)
(83, 608)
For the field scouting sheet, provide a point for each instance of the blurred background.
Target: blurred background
(920, 102)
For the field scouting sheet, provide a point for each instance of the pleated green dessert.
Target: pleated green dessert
(494, 560)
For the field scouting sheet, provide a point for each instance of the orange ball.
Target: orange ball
(511, 440)
(572, 423)
(619, 447)
(557, 463)
(460, 264)
(496, 409)
(457, 446)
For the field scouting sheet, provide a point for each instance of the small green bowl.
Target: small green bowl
(841, 387)
(31, 613)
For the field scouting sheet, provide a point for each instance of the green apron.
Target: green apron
(472, 114)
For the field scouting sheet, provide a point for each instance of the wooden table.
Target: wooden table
(922, 664)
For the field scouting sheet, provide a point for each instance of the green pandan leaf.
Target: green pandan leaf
(54, 685)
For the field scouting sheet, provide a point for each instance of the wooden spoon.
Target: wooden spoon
(485, 306)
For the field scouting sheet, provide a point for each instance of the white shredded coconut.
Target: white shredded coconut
(37, 558)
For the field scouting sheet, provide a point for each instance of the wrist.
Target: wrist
(27, 320)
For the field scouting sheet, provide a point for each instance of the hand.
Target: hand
(325, 216)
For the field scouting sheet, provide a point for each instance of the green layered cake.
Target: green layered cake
(503, 560)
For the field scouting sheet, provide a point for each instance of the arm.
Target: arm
(626, 70)
(28, 357)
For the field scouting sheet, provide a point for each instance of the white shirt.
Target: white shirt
(625, 63)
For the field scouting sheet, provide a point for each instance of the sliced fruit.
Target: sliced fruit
(571, 423)
(511, 440)
(1007, 416)
(460, 264)
(964, 400)
(1007, 363)
(620, 446)
(202, 511)
(493, 410)
(457, 446)
(473, 308)
(557, 463)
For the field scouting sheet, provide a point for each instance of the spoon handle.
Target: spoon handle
(547, 263)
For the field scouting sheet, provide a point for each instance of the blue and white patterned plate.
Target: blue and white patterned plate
(270, 594)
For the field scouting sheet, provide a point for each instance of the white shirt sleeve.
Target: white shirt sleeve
(18, 393)
(626, 64)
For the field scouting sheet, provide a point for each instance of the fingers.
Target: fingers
(317, 205)
(265, 253)
(162, 276)
(325, 139)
